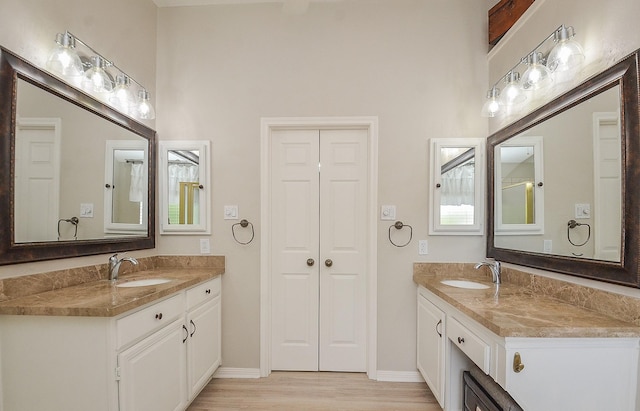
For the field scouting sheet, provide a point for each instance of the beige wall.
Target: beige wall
(121, 30)
(222, 68)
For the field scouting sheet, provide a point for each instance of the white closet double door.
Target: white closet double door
(319, 249)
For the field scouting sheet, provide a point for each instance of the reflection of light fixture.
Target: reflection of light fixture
(567, 53)
(512, 93)
(63, 60)
(144, 109)
(492, 106)
(122, 98)
(98, 80)
(537, 76)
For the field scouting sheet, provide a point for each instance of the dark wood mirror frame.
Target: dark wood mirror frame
(627, 271)
(13, 68)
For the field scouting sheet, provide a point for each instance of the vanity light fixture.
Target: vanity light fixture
(64, 60)
(98, 76)
(543, 63)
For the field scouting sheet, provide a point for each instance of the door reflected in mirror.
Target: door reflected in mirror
(518, 178)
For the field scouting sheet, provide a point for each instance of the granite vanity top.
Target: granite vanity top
(101, 298)
(515, 310)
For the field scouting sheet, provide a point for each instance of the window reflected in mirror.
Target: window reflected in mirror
(457, 186)
(183, 187)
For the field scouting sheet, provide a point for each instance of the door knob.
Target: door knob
(328, 262)
(310, 262)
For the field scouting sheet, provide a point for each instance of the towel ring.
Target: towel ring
(573, 224)
(72, 220)
(244, 224)
(398, 225)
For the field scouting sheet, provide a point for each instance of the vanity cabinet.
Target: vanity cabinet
(430, 355)
(541, 374)
(155, 358)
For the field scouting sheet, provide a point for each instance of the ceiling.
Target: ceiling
(176, 3)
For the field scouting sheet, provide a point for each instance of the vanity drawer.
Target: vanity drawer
(473, 346)
(149, 319)
(203, 292)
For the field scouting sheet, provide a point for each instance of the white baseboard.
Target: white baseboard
(399, 376)
(230, 372)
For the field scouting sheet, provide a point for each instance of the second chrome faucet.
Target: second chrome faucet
(494, 266)
(114, 265)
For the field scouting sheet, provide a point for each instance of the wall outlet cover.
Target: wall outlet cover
(423, 247)
(205, 247)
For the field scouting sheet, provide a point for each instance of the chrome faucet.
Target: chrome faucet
(114, 265)
(494, 266)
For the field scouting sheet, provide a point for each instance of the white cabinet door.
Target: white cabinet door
(203, 348)
(574, 374)
(152, 372)
(430, 344)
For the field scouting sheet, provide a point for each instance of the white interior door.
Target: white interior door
(319, 215)
(37, 168)
(607, 189)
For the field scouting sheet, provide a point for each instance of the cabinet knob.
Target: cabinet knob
(159, 316)
(540, 184)
(517, 363)
(438, 185)
(207, 291)
(460, 340)
(310, 262)
(328, 262)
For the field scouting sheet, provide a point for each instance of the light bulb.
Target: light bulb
(492, 106)
(537, 75)
(96, 80)
(63, 60)
(144, 109)
(122, 98)
(567, 53)
(512, 94)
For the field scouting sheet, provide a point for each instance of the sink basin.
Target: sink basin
(144, 283)
(472, 285)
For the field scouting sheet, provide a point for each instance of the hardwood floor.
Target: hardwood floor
(314, 391)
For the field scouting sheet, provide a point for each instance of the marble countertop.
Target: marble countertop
(101, 298)
(513, 310)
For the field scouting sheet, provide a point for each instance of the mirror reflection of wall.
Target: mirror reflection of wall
(583, 170)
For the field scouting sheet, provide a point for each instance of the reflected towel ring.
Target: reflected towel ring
(399, 226)
(244, 224)
(573, 224)
(72, 220)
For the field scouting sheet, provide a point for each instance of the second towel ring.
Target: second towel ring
(398, 225)
(244, 224)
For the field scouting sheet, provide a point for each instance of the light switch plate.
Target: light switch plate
(388, 212)
(86, 210)
(231, 212)
(583, 211)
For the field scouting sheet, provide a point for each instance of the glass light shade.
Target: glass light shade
(512, 94)
(144, 109)
(492, 106)
(122, 97)
(63, 60)
(537, 75)
(567, 53)
(96, 80)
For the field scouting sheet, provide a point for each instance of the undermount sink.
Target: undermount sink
(472, 285)
(144, 283)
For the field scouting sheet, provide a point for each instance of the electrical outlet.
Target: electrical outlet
(547, 247)
(423, 247)
(205, 247)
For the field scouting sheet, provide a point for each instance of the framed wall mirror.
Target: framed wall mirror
(54, 173)
(589, 154)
